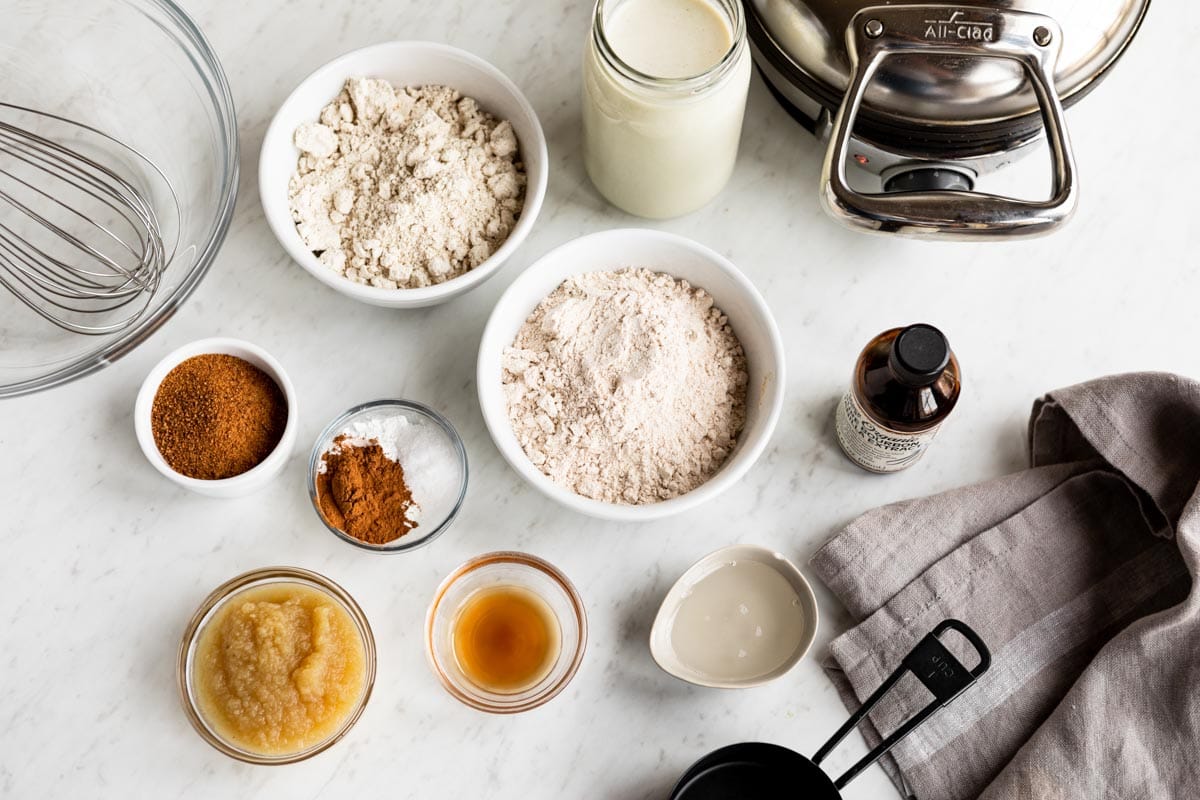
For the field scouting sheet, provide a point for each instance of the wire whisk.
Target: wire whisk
(80, 243)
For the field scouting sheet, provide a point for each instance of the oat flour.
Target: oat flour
(627, 387)
(401, 188)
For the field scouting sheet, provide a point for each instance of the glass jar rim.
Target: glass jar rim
(690, 83)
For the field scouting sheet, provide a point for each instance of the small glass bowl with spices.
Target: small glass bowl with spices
(388, 476)
(217, 416)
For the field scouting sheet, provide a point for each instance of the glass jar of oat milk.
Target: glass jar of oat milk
(664, 89)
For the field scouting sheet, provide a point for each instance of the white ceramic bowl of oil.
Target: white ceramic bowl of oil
(249, 481)
(740, 617)
(683, 258)
(402, 64)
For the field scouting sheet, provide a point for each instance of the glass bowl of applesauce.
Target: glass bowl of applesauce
(288, 701)
(505, 633)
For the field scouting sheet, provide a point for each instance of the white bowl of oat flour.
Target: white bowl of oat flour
(631, 374)
(403, 174)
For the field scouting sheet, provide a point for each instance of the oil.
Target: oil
(506, 639)
(740, 622)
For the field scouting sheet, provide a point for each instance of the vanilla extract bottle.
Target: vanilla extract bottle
(906, 382)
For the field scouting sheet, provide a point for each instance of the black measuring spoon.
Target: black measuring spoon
(759, 771)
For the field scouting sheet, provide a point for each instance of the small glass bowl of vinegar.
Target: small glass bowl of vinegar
(505, 632)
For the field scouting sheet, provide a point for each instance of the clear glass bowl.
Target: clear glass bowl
(140, 71)
(440, 519)
(505, 569)
(218, 597)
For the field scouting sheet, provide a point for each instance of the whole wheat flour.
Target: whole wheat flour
(627, 387)
(401, 188)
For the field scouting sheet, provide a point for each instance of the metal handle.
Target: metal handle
(935, 667)
(879, 32)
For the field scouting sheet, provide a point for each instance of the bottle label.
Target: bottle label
(874, 447)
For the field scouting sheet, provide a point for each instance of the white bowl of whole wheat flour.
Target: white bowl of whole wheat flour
(403, 174)
(631, 374)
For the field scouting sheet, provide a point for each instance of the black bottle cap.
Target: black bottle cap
(920, 354)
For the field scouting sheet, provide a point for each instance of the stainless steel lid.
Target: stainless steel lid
(807, 40)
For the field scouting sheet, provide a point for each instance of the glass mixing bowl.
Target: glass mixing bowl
(142, 72)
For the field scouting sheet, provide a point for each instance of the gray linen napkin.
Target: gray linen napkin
(1077, 573)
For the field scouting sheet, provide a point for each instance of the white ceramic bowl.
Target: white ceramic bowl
(253, 479)
(403, 64)
(661, 252)
(663, 651)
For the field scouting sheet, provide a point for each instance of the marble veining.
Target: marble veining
(104, 560)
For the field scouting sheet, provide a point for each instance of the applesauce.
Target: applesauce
(278, 668)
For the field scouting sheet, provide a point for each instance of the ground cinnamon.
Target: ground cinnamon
(216, 416)
(362, 492)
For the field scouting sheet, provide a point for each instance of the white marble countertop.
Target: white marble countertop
(104, 560)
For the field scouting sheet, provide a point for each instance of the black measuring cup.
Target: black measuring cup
(759, 771)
